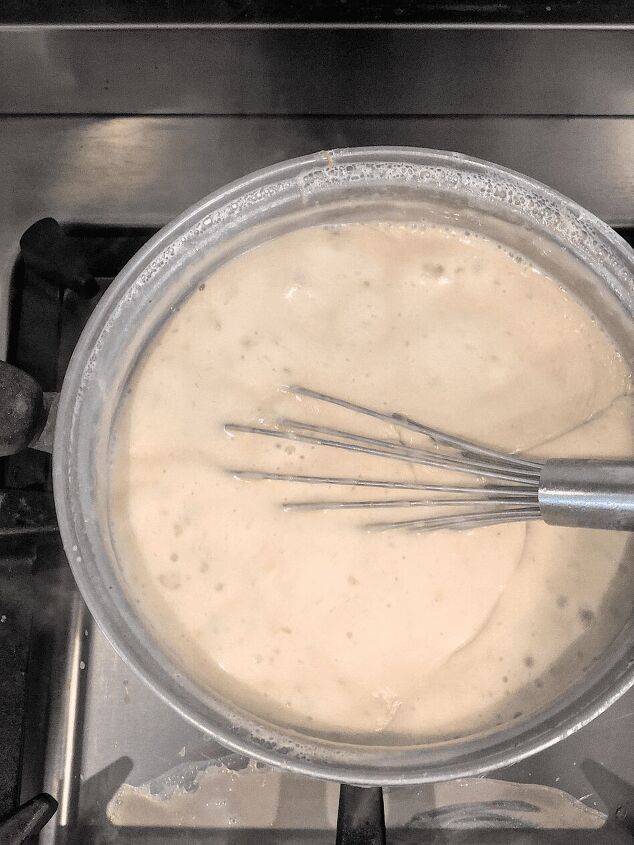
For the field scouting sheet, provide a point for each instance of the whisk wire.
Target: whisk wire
(513, 498)
(259, 475)
(392, 452)
(403, 421)
(405, 503)
(457, 521)
(293, 426)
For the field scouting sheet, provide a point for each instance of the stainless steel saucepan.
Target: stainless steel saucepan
(341, 185)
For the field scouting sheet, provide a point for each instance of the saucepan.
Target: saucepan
(339, 185)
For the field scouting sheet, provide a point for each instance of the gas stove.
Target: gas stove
(140, 123)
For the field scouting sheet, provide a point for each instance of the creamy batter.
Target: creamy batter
(305, 618)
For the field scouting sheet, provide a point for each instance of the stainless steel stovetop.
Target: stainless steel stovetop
(126, 127)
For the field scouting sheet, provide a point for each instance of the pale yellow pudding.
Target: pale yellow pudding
(305, 618)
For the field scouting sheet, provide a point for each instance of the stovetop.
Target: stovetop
(114, 131)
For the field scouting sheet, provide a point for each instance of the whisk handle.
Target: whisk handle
(588, 494)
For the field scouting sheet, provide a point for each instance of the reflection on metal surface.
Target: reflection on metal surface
(72, 708)
(349, 71)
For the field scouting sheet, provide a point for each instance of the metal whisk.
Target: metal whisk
(511, 488)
